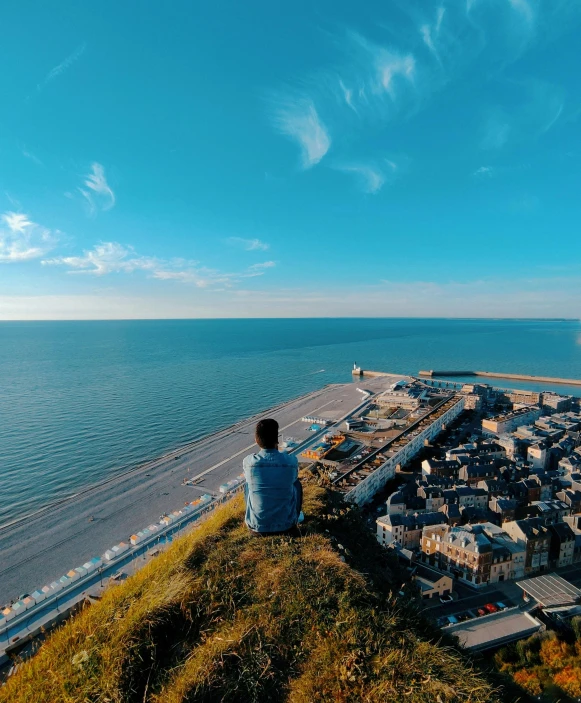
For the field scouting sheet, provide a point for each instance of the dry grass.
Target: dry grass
(225, 616)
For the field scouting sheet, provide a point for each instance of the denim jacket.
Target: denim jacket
(271, 503)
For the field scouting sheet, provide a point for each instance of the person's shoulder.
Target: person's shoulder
(290, 459)
(250, 460)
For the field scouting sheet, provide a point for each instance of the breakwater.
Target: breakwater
(493, 374)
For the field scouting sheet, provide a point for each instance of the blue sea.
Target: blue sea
(82, 400)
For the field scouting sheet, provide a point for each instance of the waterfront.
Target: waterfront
(82, 401)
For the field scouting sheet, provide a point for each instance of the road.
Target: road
(41, 548)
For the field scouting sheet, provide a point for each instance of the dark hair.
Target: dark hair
(267, 433)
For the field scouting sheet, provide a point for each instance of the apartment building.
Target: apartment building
(507, 422)
(406, 530)
(465, 552)
(535, 537)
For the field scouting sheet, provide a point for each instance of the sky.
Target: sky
(305, 159)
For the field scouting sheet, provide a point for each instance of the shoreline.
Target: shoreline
(128, 470)
(42, 546)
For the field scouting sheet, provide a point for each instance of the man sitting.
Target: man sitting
(274, 494)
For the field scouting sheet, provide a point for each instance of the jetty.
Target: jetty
(494, 374)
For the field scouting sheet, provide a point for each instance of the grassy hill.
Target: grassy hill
(225, 616)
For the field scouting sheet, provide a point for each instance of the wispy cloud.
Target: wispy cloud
(347, 95)
(63, 66)
(262, 266)
(249, 244)
(99, 195)
(298, 120)
(31, 157)
(115, 258)
(21, 239)
(371, 177)
(484, 172)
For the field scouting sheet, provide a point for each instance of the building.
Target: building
(549, 511)
(535, 537)
(360, 486)
(562, 545)
(432, 583)
(406, 530)
(537, 455)
(556, 403)
(433, 467)
(474, 473)
(465, 552)
(507, 422)
(505, 507)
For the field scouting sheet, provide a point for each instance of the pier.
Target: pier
(492, 374)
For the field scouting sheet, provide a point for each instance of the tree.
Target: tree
(529, 680)
(569, 679)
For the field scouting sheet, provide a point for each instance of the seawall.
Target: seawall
(492, 374)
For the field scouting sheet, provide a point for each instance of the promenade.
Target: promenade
(39, 549)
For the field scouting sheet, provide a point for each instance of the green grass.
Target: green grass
(226, 616)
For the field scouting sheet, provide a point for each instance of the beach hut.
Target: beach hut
(57, 586)
(73, 575)
(2, 621)
(109, 554)
(47, 590)
(8, 613)
(81, 571)
(96, 562)
(28, 602)
(146, 533)
(122, 547)
(222, 488)
(135, 539)
(65, 581)
(18, 607)
(38, 596)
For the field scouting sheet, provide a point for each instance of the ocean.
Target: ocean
(82, 400)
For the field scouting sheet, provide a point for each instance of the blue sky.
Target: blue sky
(306, 159)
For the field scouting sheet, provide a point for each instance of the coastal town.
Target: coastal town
(475, 489)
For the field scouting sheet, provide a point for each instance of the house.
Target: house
(433, 495)
(549, 511)
(433, 467)
(474, 473)
(452, 513)
(471, 497)
(432, 583)
(537, 455)
(406, 530)
(505, 507)
(570, 498)
(535, 537)
(562, 545)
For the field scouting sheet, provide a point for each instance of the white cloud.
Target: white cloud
(22, 240)
(347, 95)
(114, 258)
(262, 266)
(100, 194)
(63, 66)
(486, 171)
(298, 119)
(249, 244)
(371, 179)
(104, 258)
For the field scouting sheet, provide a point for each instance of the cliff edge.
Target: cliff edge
(225, 616)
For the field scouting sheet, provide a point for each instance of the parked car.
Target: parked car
(501, 606)
(492, 608)
(481, 611)
(446, 599)
(452, 619)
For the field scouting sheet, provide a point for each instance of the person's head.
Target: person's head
(266, 433)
